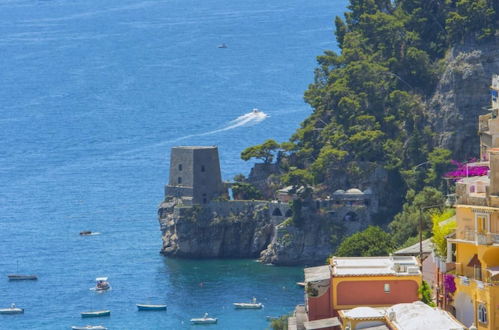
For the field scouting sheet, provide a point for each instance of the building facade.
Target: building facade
(474, 248)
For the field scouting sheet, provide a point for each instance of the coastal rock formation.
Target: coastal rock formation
(462, 95)
(217, 230)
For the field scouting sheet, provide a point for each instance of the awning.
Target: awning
(475, 262)
(493, 271)
(321, 324)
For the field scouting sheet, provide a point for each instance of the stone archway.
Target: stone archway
(351, 216)
(277, 212)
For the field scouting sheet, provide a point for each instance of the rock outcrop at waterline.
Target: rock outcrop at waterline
(217, 230)
(253, 229)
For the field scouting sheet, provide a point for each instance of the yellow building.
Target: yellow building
(476, 242)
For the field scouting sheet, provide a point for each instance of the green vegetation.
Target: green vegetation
(280, 323)
(371, 242)
(442, 226)
(425, 292)
(369, 107)
(245, 191)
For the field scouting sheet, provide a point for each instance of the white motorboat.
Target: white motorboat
(102, 284)
(251, 305)
(205, 320)
(89, 327)
(255, 110)
(12, 310)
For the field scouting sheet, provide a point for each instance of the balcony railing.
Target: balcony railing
(479, 238)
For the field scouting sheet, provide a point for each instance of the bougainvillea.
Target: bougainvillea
(449, 284)
(466, 169)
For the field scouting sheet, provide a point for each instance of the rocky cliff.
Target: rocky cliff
(462, 95)
(215, 230)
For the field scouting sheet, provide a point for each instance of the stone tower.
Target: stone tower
(195, 175)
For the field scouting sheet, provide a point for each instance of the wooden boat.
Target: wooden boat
(251, 305)
(96, 313)
(144, 307)
(204, 320)
(19, 277)
(12, 310)
(89, 327)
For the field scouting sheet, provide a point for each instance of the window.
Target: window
(387, 288)
(180, 167)
(482, 313)
(202, 168)
(179, 180)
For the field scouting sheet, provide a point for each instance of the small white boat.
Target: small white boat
(89, 327)
(205, 320)
(302, 284)
(12, 310)
(88, 233)
(96, 313)
(222, 45)
(255, 110)
(251, 305)
(19, 277)
(145, 307)
(102, 284)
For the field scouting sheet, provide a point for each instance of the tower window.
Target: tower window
(179, 180)
(202, 168)
(180, 167)
(387, 288)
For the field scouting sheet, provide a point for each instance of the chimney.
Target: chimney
(494, 171)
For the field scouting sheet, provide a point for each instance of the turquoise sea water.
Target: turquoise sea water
(93, 94)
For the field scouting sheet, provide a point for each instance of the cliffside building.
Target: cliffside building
(474, 248)
(195, 175)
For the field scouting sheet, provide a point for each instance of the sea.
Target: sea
(93, 94)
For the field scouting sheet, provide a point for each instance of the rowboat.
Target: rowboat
(96, 313)
(144, 307)
(89, 327)
(19, 277)
(251, 305)
(12, 310)
(204, 320)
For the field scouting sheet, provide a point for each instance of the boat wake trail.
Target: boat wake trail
(249, 119)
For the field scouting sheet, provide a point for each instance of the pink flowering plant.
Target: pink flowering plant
(464, 170)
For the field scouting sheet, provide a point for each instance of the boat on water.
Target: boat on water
(20, 277)
(255, 110)
(88, 233)
(146, 307)
(12, 310)
(96, 313)
(251, 305)
(102, 284)
(223, 45)
(89, 327)
(204, 320)
(302, 284)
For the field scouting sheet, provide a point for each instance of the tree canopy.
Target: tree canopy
(371, 242)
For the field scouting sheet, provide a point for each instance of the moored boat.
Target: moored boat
(89, 327)
(251, 305)
(145, 307)
(19, 277)
(302, 284)
(204, 320)
(12, 310)
(96, 313)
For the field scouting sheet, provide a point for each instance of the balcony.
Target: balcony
(478, 237)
